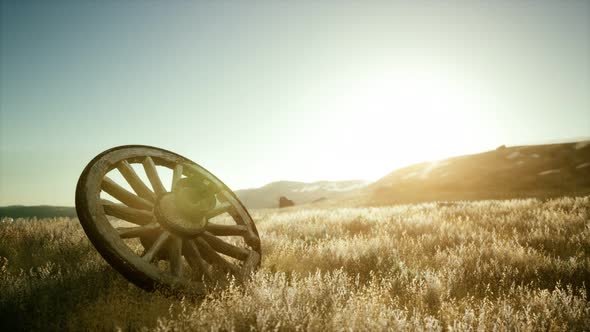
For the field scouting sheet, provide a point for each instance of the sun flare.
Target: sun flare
(388, 121)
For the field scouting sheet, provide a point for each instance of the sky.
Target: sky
(260, 91)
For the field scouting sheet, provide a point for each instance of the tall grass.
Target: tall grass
(503, 265)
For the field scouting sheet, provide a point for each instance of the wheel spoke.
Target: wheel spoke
(135, 216)
(132, 232)
(176, 175)
(226, 230)
(175, 256)
(155, 248)
(242, 218)
(224, 247)
(211, 256)
(220, 209)
(124, 196)
(135, 182)
(194, 259)
(152, 174)
(250, 264)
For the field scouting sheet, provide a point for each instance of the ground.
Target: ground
(504, 265)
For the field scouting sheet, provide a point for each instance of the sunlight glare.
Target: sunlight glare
(409, 118)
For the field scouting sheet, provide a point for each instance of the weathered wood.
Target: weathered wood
(200, 171)
(211, 256)
(226, 230)
(124, 196)
(135, 216)
(135, 182)
(156, 247)
(219, 209)
(94, 215)
(242, 217)
(175, 256)
(195, 260)
(250, 264)
(172, 217)
(132, 232)
(224, 247)
(176, 175)
(152, 174)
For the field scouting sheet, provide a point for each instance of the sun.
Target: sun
(405, 118)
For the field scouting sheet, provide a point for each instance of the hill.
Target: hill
(549, 170)
(257, 198)
(41, 211)
(298, 192)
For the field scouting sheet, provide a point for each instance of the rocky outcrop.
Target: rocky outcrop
(285, 202)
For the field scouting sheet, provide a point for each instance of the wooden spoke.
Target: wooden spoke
(176, 175)
(250, 264)
(226, 230)
(124, 196)
(242, 218)
(252, 239)
(224, 247)
(175, 256)
(194, 259)
(132, 232)
(219, 209)
(221, 196)
(135, 182)
(211, 256)
(135, 216)
(152, 174)
(155, 248)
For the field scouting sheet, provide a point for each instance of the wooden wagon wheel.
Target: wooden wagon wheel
(171, 241)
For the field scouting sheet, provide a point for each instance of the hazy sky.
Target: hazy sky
(259, 91)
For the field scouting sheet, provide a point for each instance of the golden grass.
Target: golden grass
(504, 265)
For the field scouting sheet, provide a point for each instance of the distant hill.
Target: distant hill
(548, 170)
(41, 211)
(298, 192)
(507, 172)
(264, 197)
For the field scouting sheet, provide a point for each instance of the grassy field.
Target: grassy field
(503, 265)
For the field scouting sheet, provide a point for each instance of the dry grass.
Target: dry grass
(504, 265)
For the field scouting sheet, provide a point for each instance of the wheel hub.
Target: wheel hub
(184, 210)
(171, 213)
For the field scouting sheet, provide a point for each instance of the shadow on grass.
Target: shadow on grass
(47, 304)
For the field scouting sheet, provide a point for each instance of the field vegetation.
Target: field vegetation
(488, 265)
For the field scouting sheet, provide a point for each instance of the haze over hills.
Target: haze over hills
(548, 170)
(256, 198)
(299, 192)
(508, 172)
